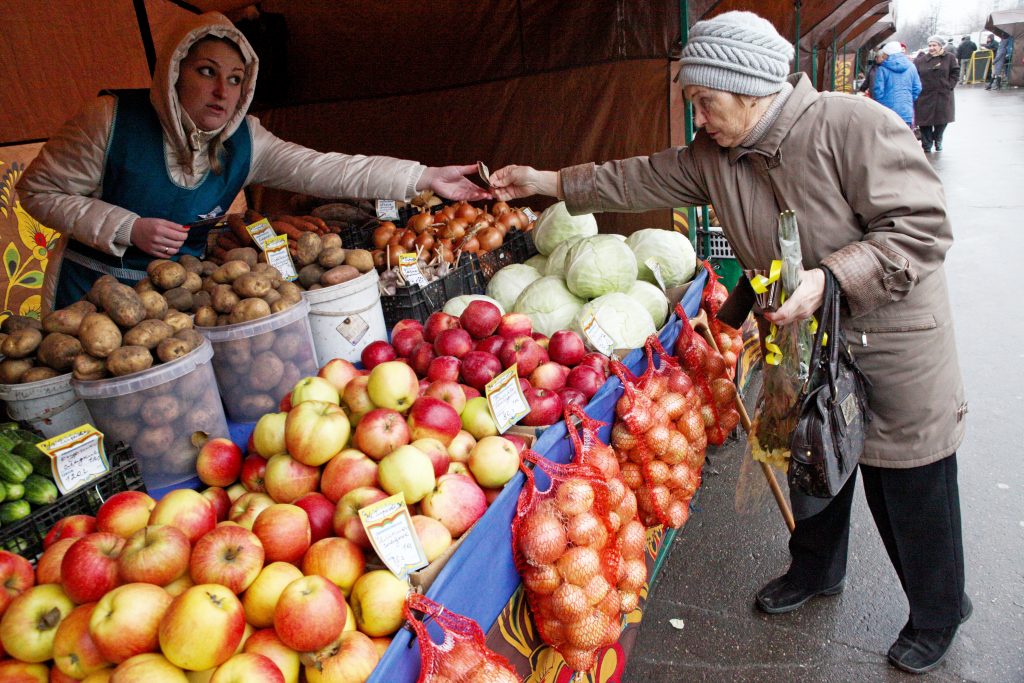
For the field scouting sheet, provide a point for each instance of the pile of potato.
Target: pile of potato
(322, 261)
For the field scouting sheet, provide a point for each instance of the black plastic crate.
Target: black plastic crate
(25, 537)
(517, 247)
(417, 303)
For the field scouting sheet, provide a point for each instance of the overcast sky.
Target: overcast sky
(953, 11)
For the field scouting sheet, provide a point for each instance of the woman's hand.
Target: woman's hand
(158, 237)
(515, 182)
(451, 182)
(807, 298)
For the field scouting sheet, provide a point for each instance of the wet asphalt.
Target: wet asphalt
(736, 541)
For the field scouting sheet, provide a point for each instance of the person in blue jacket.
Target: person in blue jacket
(897, 84)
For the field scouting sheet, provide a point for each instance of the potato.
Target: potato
(251, 285)
(331, 241)
(21, 343)
(83, 306)
(179, 298)
(122, 430)
(148, 333)
(360, 259)
(123, 305)
(99, 335)
(193, 385)
(39, 374)
(144, 285)
(155, 304)
(126, 406)
(222, 319)
(206, 316)
(202, 418)
(95, 294)
(337, 275)
(224, 299)
(289, 377)
(230, 271)
(290, 291)
(156, 263)
(153, 442)
(247, 254)
(65, 320)
(172, 348)
(208, 268)
(270, 272)
(209, 285)
(58, 351)
(161, 410)
(200, 299)
(249, 309)
(168, 275)
(289, 344)
(307, 249)
(271, 297)
(315, 286)
(254, 406)
(129, 359)
(13, 369)
(266, 372)
(194, 339)
(281, 305)
(191, 264)
(192, 283)
(235, 351)
(178, 320)
(331, 258)
(87, 367)
(310, 275)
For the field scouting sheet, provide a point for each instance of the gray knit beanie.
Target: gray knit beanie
(737, 52)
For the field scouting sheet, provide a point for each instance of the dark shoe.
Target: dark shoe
(938, 146)
(927, 148)
(919, 650)
(782, 595)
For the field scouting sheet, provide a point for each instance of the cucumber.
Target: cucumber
(14, 491)
(40, 461)
(26, 436)
(14, 468)
(3, 492)
(40, 490)
(14, 511)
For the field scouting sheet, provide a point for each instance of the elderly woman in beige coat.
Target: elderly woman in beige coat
(872, 210)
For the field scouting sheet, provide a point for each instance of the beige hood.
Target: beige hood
(178, 127)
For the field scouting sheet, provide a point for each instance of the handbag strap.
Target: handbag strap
(828, 330)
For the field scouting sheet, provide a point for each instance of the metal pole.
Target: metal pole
(833, 60)
(856, 62)
(796, 62)
(684, 33)
(846, 70)
(814, 66)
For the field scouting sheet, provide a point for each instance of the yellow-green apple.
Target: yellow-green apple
(219, 461)
(480, 318)
(436, 451)
(89, 567)
(477, 420)
(265, 642)
(202, 627)
(220, 500)
(493, 461)
(246, 667)
(247, 508)
(444, 368)
(320, 512)
(314, 389)
(453, 342)
(355, 660)
(74, 651)
(254, 473)
(382, 643)
(409, 470)
(350, 619)
(262, 595)
(405, 341)
(514, 325)
(377, 352)
(346, 516)
(438, 322)
(22, 672)
(316, 431)
(545, 407)
(479, 368)
(30, 623)
(458, 468)
(348, 470)
(492, 344)
(179, 585)
(268, 434)
(460, 447)
(432, 418)
(283, 529)
(73, 526)
(434, 537)
(235, 491)
(229, 555)
(566, 347)
(381, 431)
(393, 385)
(421, 357)
(339, 372)
(287, 478)
(126, 620)
(456, 501)
(186, 509)
(449, 391)
(149, 667)
(310, 613)
(16, 576)
(357, 397)
(337, 559)
(377, 598)
(48, 564)
(156, 554)
(124, 513)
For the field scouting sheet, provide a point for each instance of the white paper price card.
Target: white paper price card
(261, 232)
(409, 264)
(655, 267)
(505, 399)
(387, 210)
(392, 535)
(530, 214)
(276, 249)
(77, 457)
(597, 337)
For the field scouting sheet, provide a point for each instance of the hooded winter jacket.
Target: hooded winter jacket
(897, 86)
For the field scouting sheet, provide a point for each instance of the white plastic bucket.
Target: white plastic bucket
(346, 318)
(49, 405)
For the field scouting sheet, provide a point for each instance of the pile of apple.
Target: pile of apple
(456, 357)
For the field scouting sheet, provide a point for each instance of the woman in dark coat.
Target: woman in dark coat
(933, 110)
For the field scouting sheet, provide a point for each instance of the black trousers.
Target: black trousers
(932, 134)
(917, 513)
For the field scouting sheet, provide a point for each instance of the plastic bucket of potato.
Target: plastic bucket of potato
(162, 413)
(49, 405)
(259, 361)
(346, 318)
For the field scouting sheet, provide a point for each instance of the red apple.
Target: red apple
(155, 554)
(248, 506)
(29, 624)
(597, 361)
(479, 368)
(254, 473)
(149, 667)
(219, 462)
(23, 672)
(566, 347)
(492, 494)
(421, 357)
(48, 565)
(310, 614)
(284, 531)
(285, 404)
(347, 470)
(339, 372)
(454, 342)
(493, 461)
(288, 479)
(74, 651)
(265, 642)
(248, 666)
(444, 368)
(480, 318)
(438, 322)
(346, 517)
(74, 526)
(524, 384)
(586, 379)
(434, 537)
(376, 353)
(456, 501)
(490, 344)
(571, 396)
(524, 352)
(405, 341)
(407, 323)
(449, 392)
(461, 445)
(89, 568)
(357, 399)
(545, 408)
(202, 628)
(393, 385)
(126, 620)
(541, 339)
(337, 559)
(380, 432)
(470, 392)
(320, 512)
(229, 555)
(235, 491)
(436, 451)
(433, 418)
(517, 441)
(316, 431)
(220, 500)
(124, 513)
(261, 597)
(16, 576)
(514, 325)
(355, 660)
(186, 509)
(550, 376)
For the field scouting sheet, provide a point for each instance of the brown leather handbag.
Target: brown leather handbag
(829, 436)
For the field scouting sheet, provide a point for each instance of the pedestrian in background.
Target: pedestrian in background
(869, 77)
(993, 45)
(964, 52)
(1001, 63)
(934, 110)
(896, 84)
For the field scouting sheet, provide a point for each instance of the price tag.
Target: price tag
(655, 267)
(387, 209)
(261, 232)
(530, 214)
(77, 457)
(391, 533)
(408, 263)
(276, 249)
(505, 399)
(597, 337)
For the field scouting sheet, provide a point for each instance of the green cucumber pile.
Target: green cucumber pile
(26, 479)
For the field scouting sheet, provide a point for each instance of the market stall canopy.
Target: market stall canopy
(1010, 24)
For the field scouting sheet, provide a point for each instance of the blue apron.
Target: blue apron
(135, 178)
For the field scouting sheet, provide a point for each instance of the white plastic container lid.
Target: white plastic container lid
(144, 379)
(38, 389)
(366, 280)
(274, 321)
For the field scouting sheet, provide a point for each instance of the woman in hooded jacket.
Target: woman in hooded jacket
(935, 109)
(126, 176)
(896, 84)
